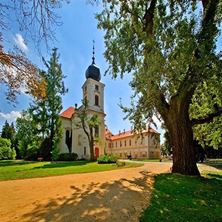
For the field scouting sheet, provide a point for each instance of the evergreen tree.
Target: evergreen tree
(8, 132)
(55, 88)
(43, 113)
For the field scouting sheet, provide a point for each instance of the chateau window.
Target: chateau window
(67, 136)
(84, 151)
(96, 100)
(141, 140)
(125, 142)
(96, 131)
(130, 142)
(120, 143)
(79, 140)
(116, 144)
(96, 87)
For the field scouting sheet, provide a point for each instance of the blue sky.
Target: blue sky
(74, 43)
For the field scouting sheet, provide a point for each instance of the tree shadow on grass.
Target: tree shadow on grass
(61, 164)
(114, 201)
(5, 163)
(216, 176)
(184, 198)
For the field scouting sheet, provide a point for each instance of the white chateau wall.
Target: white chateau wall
(66, 125)
(141, 147)
(80, 142)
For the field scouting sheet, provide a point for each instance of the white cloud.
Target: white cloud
(19, 40)
(12, 116)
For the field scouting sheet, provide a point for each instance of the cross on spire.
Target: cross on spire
(93, 58)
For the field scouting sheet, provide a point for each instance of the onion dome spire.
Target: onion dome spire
(93, 72)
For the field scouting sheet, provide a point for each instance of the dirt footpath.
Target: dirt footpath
(111, 196)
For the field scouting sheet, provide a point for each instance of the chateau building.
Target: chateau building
(74, 139)
(135, 145)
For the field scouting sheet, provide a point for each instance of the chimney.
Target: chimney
(131, 129)
(119, 132)
(75, 105)
(124, 131)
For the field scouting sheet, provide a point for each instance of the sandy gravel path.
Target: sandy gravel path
(111, 196)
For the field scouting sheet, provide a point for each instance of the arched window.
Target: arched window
(96, 100)
(69, 140)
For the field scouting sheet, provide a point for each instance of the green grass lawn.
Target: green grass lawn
(185, 199)
(10, 170)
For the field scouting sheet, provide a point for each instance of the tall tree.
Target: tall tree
(38, 109)
(169, 47)
(43, 113)
(55, 88)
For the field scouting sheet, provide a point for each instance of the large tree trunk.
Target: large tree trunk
(181, 140)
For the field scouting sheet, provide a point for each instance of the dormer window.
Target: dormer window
(96, 87)
(96, 100)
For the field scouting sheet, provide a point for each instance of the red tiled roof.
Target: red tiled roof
(130, 133)
(68, 113)
(122, 135)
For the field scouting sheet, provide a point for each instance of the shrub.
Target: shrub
(32, 151)
(55, 154)
(68, 157)
(5, 149)
(110, 158)
(120, 163)
(44, 149)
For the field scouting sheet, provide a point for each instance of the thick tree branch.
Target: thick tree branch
(148, 18)
(207, 119)
(206, 36)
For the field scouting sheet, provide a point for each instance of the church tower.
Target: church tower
(93, 89)
(93, 92)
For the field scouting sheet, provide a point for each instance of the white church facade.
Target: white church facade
(74, 139)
